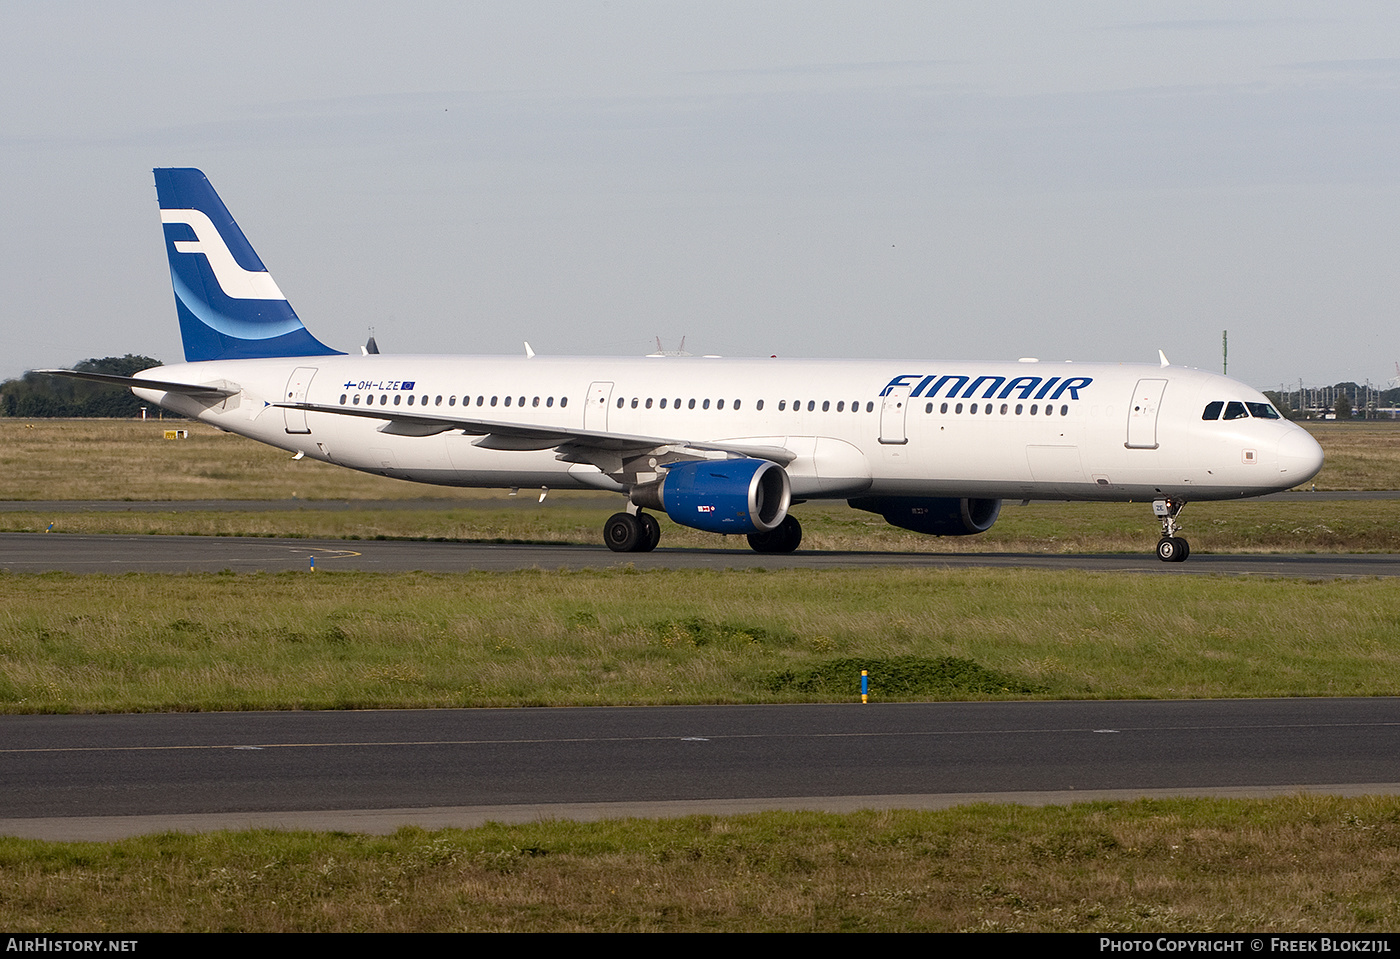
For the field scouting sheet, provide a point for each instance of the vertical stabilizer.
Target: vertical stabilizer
(230, 308)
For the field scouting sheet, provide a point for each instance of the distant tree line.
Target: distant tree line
(37, 395)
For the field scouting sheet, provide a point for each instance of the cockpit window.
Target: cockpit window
(1213, 410)
(1235, 411)
(1263, 411)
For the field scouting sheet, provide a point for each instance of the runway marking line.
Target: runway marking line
(644, 739)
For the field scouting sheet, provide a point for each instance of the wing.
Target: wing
(610, 452)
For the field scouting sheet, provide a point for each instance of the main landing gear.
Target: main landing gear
(632, 533)
(640, 532)
(1171, 548)
(783, 538)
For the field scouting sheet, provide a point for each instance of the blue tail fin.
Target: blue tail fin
(229, 306)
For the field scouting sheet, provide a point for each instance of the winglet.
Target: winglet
(1163, 357)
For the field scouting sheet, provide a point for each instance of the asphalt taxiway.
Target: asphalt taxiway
(101, 777)
(41, 552)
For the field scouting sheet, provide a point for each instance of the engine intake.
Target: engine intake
(721, 496)
(935, 516)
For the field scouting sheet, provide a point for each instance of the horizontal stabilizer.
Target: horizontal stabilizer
(141, 383)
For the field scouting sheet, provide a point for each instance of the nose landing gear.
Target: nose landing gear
(1171, 548)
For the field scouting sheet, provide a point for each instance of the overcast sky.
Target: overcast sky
(1081, 180)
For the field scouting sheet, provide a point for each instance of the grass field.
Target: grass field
(75, 643)
(1288, 865)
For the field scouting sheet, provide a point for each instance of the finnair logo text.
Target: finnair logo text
(992, 387)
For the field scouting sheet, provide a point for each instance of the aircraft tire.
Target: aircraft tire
(784, 538)
(1173, 549)
(623, 532)
(651, 533)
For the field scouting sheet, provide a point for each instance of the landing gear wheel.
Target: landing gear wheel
(783, 538)
(623, 532)
(651, 533)
(1173, 549)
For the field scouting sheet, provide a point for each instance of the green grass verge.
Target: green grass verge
(71, 643)
(1289, 865)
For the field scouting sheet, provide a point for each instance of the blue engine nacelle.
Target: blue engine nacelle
(721, 496)
(937, 517)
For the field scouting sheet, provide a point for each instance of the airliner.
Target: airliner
(723, 445)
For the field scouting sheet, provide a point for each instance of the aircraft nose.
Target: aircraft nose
(1299, 456)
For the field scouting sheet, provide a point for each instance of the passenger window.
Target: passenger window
(1235, 411)
(452, 401)
(870, 407)
(563, 401)
(1018, 409)
(648, 402)
(621, 402)
(398, 397)
(811, 406)
(356, 400)
(736, 404)
(691, 404)
(719, 404)
(759, 405)
(410, 400)
(705, 405)
(493, 401)
(1064, 410)
(943, 408)
(1213, 410)
(663, 402)
(958, 408)
(342, 399)
(928, 408)
(1004, 408)
(634, 402)
(1035, 408)
(782, 405)
(535, 401)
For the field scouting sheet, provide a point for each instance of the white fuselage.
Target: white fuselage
(1021, 430)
